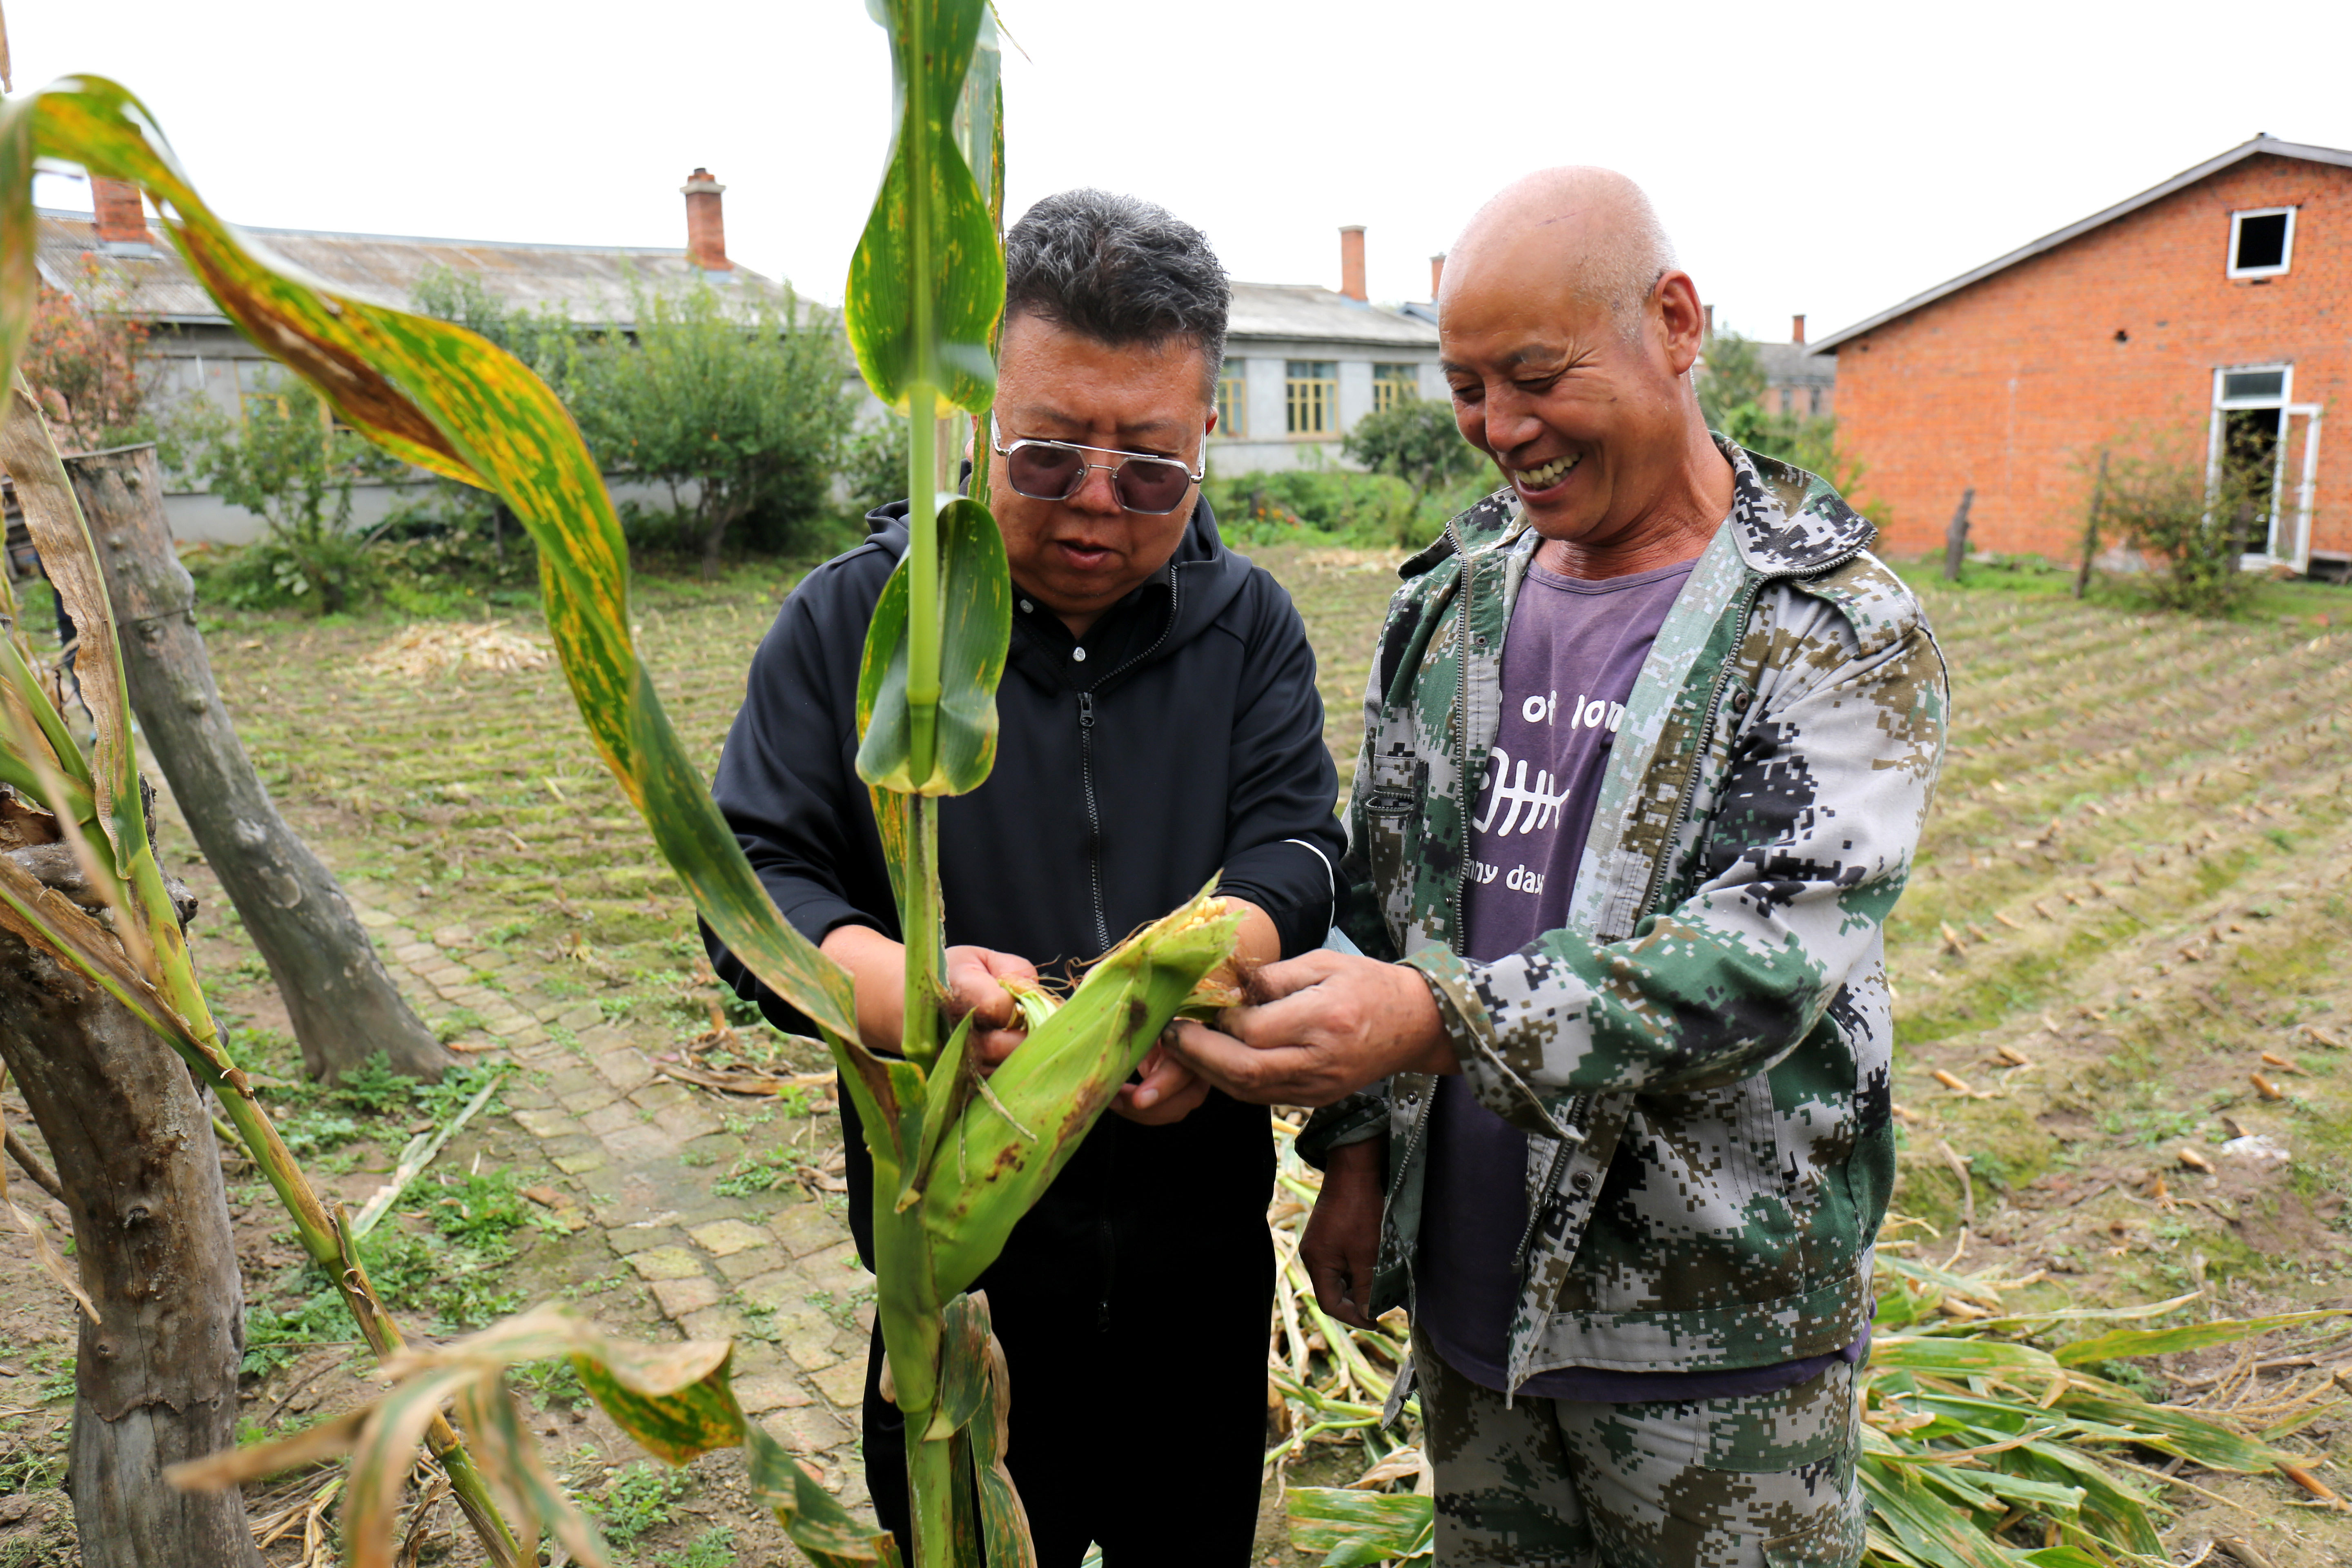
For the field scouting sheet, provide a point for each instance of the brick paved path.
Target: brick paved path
(635, 1155)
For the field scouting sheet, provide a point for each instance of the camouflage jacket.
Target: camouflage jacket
(1701, 1057)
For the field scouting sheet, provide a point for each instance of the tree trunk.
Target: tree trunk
(155, 1378)
(714, 535)
(342, 1004)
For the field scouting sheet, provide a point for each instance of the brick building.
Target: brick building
(2212, 311)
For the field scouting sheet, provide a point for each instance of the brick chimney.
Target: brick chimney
(1351, 261)
(1797, 330)
(121, 220)
(1436, 273)
(706, 229)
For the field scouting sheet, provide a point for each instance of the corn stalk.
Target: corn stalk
(956, 1162)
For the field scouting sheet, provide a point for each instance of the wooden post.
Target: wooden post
(343, 1005)
(1956, 537)
(2091, 529)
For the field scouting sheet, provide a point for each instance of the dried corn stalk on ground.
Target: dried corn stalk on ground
(422, 652)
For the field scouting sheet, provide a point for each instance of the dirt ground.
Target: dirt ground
(2124, 1010)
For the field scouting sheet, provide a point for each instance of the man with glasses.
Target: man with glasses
(1160, 727)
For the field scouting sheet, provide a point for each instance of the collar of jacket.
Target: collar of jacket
(1203, 578)
(1784, 521)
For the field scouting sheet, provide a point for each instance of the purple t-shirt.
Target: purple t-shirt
(1569, 660)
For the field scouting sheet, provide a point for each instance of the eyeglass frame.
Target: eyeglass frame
(996, 444)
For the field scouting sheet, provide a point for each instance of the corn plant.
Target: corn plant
(958, 1160)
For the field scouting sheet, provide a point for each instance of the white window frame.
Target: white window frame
(2297, 554)
(2286, 251)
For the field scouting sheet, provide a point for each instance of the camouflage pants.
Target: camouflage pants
(1762, 1482)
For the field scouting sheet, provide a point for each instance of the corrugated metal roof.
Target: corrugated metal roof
(1304, 311)
(588, 283)
(2048, 242)
(1794, 365)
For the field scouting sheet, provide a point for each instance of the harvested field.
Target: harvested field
(2122, 974)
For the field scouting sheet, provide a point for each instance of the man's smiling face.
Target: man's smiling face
(1581, 414)
(1080, 556)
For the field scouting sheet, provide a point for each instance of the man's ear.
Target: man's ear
(1682, 319)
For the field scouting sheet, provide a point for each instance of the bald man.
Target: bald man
(1649, 737)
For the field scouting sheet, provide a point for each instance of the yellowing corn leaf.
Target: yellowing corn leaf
(925, 284)
(1354, 1529)
(675, 1400)
(439, 396)
(817, 1522)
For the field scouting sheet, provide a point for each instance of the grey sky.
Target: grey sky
(1824, 157)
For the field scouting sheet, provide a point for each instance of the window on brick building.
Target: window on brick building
(2262, 242)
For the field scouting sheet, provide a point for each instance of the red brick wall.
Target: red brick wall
(2014, 384)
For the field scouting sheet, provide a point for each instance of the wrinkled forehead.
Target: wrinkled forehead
(1049, 376)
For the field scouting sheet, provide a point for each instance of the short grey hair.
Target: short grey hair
(1121, 271)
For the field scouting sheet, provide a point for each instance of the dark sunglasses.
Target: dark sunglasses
(1056, 471)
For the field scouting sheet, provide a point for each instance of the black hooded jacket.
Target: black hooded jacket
(1182, 740)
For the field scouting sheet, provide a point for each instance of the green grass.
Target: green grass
(639, 1498)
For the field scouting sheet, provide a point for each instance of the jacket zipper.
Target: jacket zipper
(1462, 646)
(1087, 755)
(1094, 816)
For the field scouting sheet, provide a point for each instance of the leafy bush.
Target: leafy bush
(1415, 439)
(874, 466)
(287, 462)
(1371, 511)
(740, 397)
(1731, 396)
(2195, 528)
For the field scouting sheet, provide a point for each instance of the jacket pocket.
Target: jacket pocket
(1391, 832)
(1831, 1541)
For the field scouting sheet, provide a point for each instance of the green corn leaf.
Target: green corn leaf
(438, 396)
(963, 1364)
(927, 282)
(814, 1520)
(1009, 1144)
(2067, 1557)
(976, 614)
(1959, 1357)
(1924, 1524)
(2172, 1431)
(1355, 1530)
(2116, 1511)
(2189, 1337)
(947, 1086)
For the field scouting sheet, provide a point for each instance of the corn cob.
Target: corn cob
(1009, 1144)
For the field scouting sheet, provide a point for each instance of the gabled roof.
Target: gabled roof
(1302, 311)
(2048, 242)
(588, 283)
